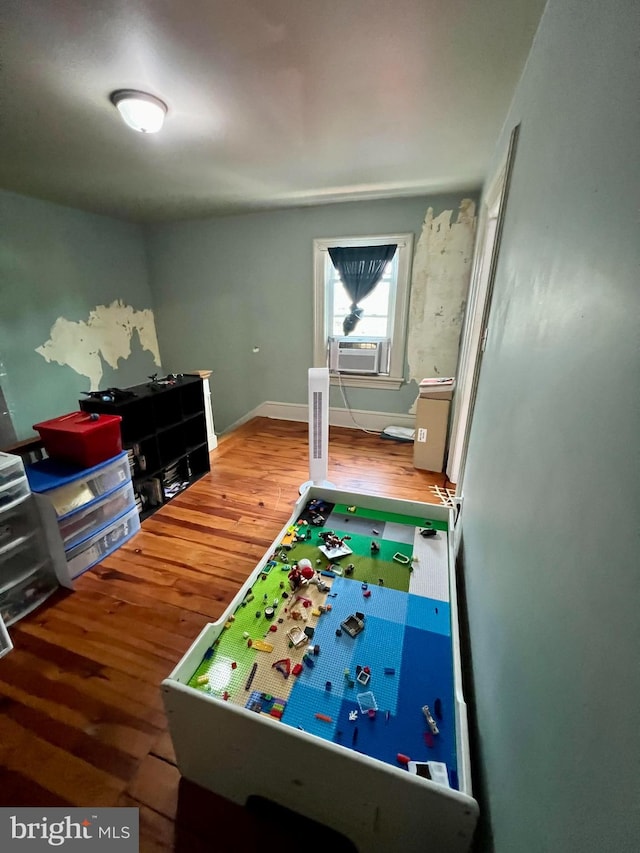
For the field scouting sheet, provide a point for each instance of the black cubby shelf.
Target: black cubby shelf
(164, 429)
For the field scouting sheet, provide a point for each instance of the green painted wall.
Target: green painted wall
(59, 262)
(227, 284)
(551, 492)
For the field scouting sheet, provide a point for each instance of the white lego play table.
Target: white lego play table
(327, 726)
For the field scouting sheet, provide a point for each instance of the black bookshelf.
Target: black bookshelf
(164, 431)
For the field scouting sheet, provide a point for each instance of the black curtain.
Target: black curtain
(360, 269)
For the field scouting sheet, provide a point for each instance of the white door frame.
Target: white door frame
(475, 327)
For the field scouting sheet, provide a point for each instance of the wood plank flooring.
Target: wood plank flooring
(81, 719)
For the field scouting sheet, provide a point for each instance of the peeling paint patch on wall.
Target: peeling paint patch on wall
(439, 285)
(105, 335)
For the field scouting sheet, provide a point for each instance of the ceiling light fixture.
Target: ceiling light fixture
(141, 111)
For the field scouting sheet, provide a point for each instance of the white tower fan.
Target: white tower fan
(318, 428)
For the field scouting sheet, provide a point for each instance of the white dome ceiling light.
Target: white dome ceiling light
(141, 111)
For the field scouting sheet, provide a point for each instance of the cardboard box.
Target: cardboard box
(432, 421)
(437, 389)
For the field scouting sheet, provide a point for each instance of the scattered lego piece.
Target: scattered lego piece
(353, 715)
(428, 739)
(258, 614)
(367, 702)
(251, 676)
(364, 586)
(353, 624)
(208, 654)
(324, 717)
(297, 669)
(327, 685)
(261, 646)
(297, 637)
(389, 670)
(273, 628)
(225, 695)
(349, 570)
(283, 666)
(371, 713)
(363, 678)
(234, 665)
(354, 737)
(401, 558)
(249, 643)
(375, 547)
(428, 533)
(308, 661)
(380, 581)
(309, 631)
(437, 708)
(202, 679)
(403, 759)
(269, 613)
(430, 721)
(366, 593)
(338, 632)
(375, 532)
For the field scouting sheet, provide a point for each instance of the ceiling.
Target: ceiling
(272, 103)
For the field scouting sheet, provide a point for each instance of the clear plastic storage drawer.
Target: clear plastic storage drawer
(20, 557)
(28, 594)
(11, 468)
(14, 491)
(69, 489)
(90, 551)
(18, 521)
(91, 519)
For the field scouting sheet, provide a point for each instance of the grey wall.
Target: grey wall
(550, 520)
(225, 285)
(56, 261)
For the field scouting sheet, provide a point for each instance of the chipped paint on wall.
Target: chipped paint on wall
(105, 335)
(439, 285)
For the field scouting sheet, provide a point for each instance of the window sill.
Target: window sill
(391, 383)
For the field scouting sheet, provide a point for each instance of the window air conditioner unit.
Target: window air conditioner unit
(359, 355)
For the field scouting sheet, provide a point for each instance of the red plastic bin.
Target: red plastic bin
(81, 438)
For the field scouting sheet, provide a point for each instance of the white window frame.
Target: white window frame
(404, 242)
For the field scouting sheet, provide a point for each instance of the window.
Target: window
(385, 308)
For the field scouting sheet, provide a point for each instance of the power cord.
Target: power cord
(348, 408)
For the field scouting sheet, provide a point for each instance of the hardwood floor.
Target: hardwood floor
(81, 719)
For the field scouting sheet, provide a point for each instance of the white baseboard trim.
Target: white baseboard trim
(376, 421)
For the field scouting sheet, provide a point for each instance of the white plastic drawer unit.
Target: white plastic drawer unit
(25, 596)
(95, 548)
(92, 518)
